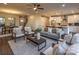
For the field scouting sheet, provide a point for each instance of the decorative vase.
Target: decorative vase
(38, 36)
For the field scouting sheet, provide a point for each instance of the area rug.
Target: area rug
(21, 47)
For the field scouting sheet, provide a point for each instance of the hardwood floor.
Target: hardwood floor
(4, 46)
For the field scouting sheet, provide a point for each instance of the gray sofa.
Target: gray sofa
(49, 35)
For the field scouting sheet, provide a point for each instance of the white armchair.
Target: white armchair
(73, 50)
(60, 48)
(57, 49)
(18, 33)
(28, 30)
(75, 38)
(63, 48)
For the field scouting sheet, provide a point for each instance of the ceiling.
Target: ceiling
(50, 9)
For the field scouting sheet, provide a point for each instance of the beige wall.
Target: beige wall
(6, 16)
(36, 20)
(57, 19)
(73, 19)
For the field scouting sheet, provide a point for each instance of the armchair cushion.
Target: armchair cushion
(62, 47)
(58, 49)
(28, 30)
(75, 38)
(73, 50)
(19, 35)
(18, 31)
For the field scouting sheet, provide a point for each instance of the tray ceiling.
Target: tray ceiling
(49, 8)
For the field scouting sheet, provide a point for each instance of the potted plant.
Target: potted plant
(38, 30)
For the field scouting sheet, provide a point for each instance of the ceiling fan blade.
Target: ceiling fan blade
(41, 8)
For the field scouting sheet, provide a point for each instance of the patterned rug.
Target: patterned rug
(21, 47)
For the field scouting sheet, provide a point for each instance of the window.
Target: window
(2, 21)
(11, 21)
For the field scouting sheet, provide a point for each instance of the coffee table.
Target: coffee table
(37, 42)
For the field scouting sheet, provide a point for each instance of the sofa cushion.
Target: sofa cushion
(53, 35)
(53, 30)
(50, 35)
(58, 30)
(43, 33)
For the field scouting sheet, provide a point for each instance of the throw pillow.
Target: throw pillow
(50, 30)
(68, 38)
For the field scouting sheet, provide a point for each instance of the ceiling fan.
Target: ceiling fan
(37, 7)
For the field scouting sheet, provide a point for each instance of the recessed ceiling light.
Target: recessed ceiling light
(63, 5)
